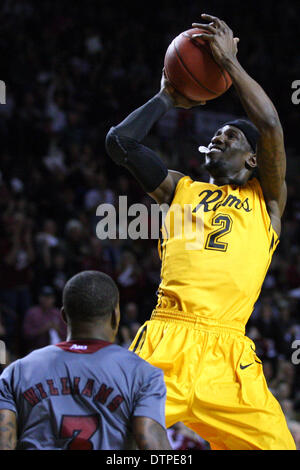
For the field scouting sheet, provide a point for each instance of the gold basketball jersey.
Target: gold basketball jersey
(219, 278)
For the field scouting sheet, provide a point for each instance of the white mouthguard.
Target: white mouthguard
(203, 149)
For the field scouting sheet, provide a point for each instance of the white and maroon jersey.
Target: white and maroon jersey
(81, 395)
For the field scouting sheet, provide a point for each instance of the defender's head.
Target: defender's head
(232, 151)
(91, 299)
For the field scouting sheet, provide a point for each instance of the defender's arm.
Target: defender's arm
(150, 435)
(8, 430)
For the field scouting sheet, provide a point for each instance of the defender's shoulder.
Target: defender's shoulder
(131, 361)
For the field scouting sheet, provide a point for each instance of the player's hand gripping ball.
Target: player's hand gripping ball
(191, 68)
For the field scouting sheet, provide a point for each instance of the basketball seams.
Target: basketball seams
(208, 50)
(170, 80)
(189, 73)
(220, 68)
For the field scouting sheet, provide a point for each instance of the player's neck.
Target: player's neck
(223, 180)
(90, 331)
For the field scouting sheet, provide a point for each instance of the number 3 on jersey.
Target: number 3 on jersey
(79, 429)
(224, 222)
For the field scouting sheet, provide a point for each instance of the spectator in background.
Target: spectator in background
(99, 193)
(8, 331)
(269, 329)
(129, 277)
(131, 322)
(131, 313)
(151, 267)
(48, 235)
(294, 427)
(293, 273)
(16, 261)
(55, 111)
(56, 273)
(70, 78)
(46, 243)
(124, 336)
(75, 245)
(182, 438)
(97, 258)
(3, 335)
(43, 323)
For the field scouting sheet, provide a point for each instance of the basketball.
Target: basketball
(191, 68)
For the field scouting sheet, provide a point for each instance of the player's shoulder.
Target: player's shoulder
(35, 359)
(116, 355)
(186, 182)
(253, 186)
(10, 369)
(253, 182)
(38, 356)
(132, 360)
(131, 367)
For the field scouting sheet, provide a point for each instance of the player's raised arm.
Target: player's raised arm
(271, 157)
(123, 144)
(8, 430)
(149, 435)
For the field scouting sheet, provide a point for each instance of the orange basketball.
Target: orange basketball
(191, 68)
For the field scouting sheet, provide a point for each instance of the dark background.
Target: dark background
(62, 98)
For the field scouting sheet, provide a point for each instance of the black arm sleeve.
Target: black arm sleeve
(124, 147)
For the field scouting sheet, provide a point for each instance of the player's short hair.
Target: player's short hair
(89, 295)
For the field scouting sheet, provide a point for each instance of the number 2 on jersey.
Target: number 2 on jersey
(224, 221)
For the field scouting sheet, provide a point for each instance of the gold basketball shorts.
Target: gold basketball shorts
(215, 382)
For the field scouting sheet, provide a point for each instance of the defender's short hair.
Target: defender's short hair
(89, 295)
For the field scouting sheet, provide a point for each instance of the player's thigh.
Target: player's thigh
(169, 346)
(225, 435)
(232, 405)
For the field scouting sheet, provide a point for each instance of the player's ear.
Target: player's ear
(63, 314)
(115, 318)
(251, 162)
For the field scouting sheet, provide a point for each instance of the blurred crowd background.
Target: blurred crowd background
(73, 69)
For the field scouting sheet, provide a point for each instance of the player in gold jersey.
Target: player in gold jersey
(196, 334)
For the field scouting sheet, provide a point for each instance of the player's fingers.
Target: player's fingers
(236, 41)
(209, 27)
(216, 20)
(224, 26)
(197, 103)
(203, 36)
(164, 79)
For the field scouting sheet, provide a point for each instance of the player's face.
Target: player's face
(228, 151)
